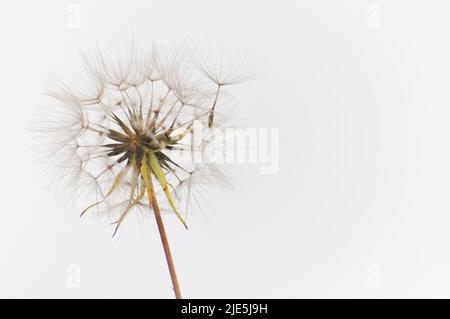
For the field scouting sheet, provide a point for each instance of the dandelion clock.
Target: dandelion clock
(121, 135)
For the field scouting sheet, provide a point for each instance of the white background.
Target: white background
(359, 208)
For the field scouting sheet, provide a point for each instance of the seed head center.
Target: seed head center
(133, 140)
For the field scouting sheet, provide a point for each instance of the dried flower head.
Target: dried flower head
(119, 131)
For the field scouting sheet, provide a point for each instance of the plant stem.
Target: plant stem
(165, 243)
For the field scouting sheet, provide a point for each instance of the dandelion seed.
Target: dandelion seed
(114, 137)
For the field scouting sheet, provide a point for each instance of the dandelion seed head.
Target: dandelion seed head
(112, 132)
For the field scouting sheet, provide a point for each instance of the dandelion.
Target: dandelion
(118, 132)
